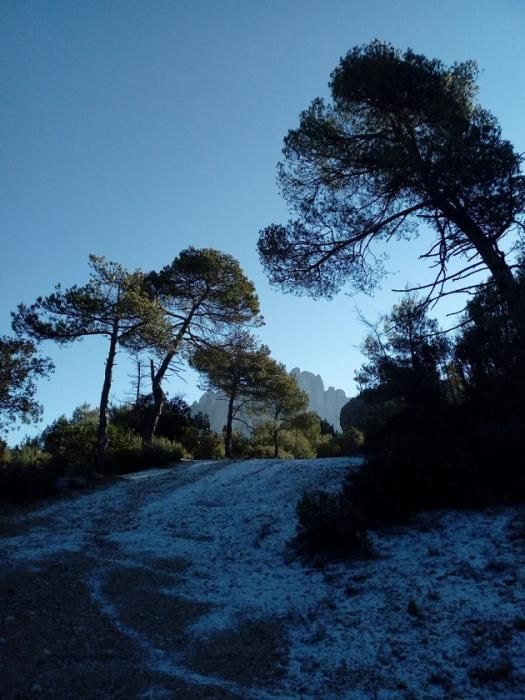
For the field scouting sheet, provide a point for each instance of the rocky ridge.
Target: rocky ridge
(327, 403)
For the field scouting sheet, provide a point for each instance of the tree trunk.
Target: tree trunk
(158, 398)
(229, 431)
(139, 383)
(508, 286)
(275, 441)
(158, 376)
(102, 432)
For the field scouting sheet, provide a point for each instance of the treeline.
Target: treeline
(199, 311)
(402, 148)
(442, 418)
(193, 301)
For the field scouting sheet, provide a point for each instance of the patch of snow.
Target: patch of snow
(440, 612)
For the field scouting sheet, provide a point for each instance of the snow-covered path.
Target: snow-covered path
(191, 569)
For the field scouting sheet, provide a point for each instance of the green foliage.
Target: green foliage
(237, 367)
(298, 437)
(175, 423)
(127, 453)
(209, 446)
(405, 356)
(254, 382)
(342, 444)
(203, 294)
(240, 445)
(293, 443)
(71, 446)
(488, 354)
(326, 428)
(411, 467)
(114, 303)
(71, 443)
(452, 441)
(259, 450)
(284, 404)
(209, 285)
(20, 366)
(28, 452)
(296, 444)
(407, 367)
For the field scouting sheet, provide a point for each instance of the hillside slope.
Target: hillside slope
(180, 584)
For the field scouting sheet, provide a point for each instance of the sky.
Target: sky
(134, 129)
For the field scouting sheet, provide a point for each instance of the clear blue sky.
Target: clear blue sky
(132, 129)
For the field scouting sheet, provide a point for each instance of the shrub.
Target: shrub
(260, 451)
(342, 444)
(446, 458)
(210, 446)
(328, 522)
(240, 444)
(175, 423)
(296, 444)
(298, 440)
(127, 454)
(71, 444)
(26, 473)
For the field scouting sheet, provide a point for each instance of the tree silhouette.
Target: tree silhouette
(112, 304)
(20, 366)
(402, 141)
(203, 294)
(406, 355)
(283, 401)
(238, 368)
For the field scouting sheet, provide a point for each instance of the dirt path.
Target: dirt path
(92, 605)
(180, 584)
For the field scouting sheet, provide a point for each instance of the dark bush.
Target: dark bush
(24, 482)
(126, 453)
(240, 444)
(328, 522)
(71, 443)
(71, 446)
(260, 451)
(26, 473)
(176, 423)
(446, 458)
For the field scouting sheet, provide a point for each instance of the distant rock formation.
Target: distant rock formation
(214, 404)
(327, 403)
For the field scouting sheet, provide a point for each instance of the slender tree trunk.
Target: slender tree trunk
(275, 443)
(275, 440)
(158, 398)
(229, 431)
(158, 376)
(139, 383)
(508, 286)
(102, 432)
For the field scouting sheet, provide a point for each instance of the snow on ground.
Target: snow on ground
(439, 612)
(233, 526)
